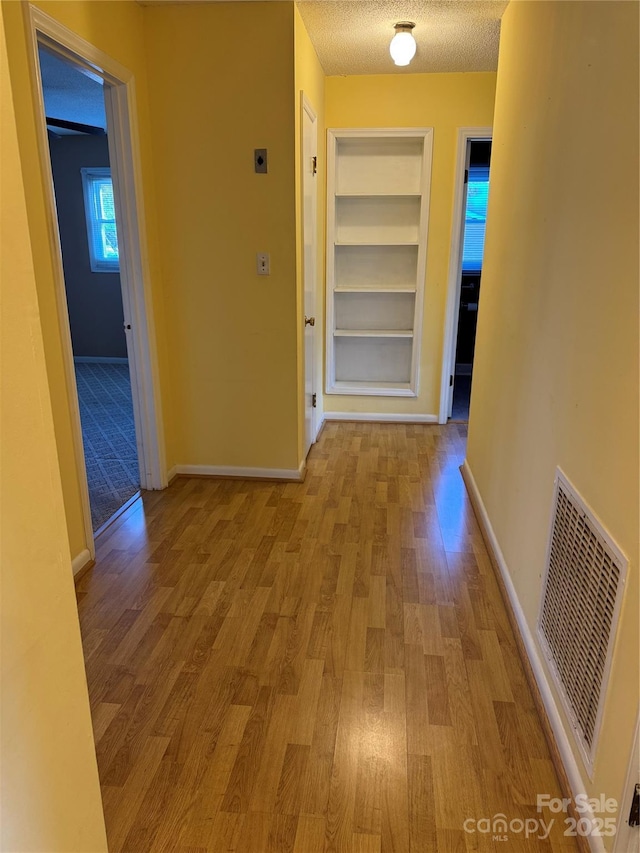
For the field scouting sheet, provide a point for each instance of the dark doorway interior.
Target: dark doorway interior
(471, 274)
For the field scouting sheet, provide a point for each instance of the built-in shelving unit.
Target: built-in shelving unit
(377, 208)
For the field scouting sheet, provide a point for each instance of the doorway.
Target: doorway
(120, 232)
(81, 169)
(475, 220)
(465, 274)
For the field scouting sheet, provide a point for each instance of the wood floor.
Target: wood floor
(325, 666)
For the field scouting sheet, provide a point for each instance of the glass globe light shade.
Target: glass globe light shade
(402, 48)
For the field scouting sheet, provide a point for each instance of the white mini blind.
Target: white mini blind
(475, 220)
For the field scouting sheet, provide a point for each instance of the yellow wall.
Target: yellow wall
(310, 79)
(50, 790)
(115, 28)
(444, 102)
(556, 368)
(231, 336)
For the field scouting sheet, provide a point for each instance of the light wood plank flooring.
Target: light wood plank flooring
(325, 666)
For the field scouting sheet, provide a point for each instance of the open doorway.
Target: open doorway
(475, 220)
(80, 165)
(123, 236)
(465, 273)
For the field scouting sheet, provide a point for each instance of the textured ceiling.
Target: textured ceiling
(352, 36)
(69, 93)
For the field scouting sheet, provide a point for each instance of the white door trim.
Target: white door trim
(126, 174)
(134, 271)
(306, 107)
(455, 267)
(627, 837)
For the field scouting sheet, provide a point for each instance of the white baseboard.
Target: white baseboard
(319, 423)
(572, 771)
(98, 359)
(231, 471)
(78, 563)
(376, 417)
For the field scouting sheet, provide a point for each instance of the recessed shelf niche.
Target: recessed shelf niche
(377, 208)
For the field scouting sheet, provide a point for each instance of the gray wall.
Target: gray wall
(94, 298)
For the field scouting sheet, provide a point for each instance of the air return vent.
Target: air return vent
(578, 615)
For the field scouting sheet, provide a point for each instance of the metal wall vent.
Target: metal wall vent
(581, 600)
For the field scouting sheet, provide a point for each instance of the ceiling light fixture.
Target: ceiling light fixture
(403, 44)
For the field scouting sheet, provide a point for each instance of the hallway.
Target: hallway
(312, 667)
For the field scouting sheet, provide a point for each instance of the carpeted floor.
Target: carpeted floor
(108, 432)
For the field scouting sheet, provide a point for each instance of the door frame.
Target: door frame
(628, 838)
(454, 281)
(124, 154)
(306, 107)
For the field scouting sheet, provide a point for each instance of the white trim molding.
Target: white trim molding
(79, 562)
(569, 763)
(381, 417)
(628, 837)
(309, 293)
(135, 276)
(320, 419)
(455, 266)
(295, 475)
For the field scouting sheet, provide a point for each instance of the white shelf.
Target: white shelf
(379, 359)
(381, 313)
(375, 266)
(374, 389)
(377, 207)
(377, 195)
(378, 243)
(377, 219)
(373, 333)
(365, 290)
(385, 163)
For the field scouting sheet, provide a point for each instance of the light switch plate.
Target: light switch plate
(260, 160)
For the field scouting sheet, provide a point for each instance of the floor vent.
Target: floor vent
(581, 599)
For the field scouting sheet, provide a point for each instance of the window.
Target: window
(475, 219)
(101, 220)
